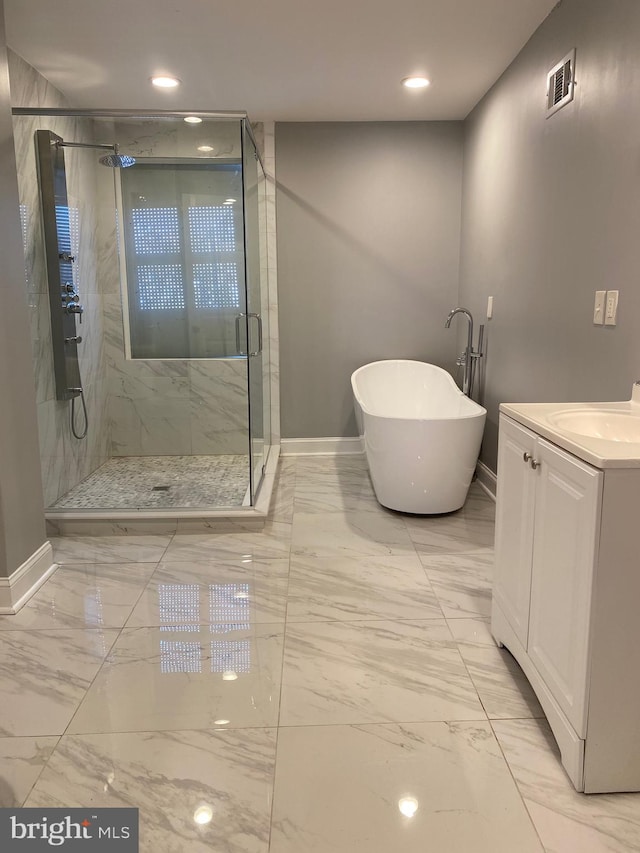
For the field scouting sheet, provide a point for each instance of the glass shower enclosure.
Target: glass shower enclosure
(158, 270)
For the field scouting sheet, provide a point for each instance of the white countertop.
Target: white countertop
(599, 452)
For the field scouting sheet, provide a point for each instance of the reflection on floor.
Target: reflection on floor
(152, 482)
(326, 685)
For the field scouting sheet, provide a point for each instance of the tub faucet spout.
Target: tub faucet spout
(468, 357)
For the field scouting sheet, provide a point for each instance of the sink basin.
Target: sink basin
(607, 425)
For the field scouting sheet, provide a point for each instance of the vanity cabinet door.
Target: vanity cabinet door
(515, 502)
(567, 521)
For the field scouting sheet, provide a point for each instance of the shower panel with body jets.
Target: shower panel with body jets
(64, 298)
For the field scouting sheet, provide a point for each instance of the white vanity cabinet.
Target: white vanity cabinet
(565, 568)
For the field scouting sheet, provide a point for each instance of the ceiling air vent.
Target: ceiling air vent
(560, 83)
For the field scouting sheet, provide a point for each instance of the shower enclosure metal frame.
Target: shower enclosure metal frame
(260, 489)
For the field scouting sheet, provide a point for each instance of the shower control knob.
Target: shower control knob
(74, 308)
(68, 287)
(66, 257)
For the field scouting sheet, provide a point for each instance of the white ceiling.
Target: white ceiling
(286, 60)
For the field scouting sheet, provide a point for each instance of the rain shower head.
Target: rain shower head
(117, 160)
(114, 160)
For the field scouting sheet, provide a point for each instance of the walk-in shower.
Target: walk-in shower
(163, 261)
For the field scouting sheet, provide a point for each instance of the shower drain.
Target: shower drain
(160, 488)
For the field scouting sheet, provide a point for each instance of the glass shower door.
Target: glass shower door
(257, 304)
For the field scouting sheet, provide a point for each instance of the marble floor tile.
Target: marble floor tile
(109, 549)
(186, 678)
(478, 505)
(350, 588)
(566, 821)
(171, 777)
(84, 596)
(212, 591)
(22, 760)
(44, 675)
(386, 671)
(345, 464)
(413, 788)
(282, 497)
(502, 686)
(451, 534)
(461, 582)
(349, 535)
(271, 543)
(349, 492)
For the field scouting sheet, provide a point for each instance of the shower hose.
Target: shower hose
(77, 433)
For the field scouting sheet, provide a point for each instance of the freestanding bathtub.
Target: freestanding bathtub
(421, 435)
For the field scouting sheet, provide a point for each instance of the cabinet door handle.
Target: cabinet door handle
(534, 464)
(527, 456)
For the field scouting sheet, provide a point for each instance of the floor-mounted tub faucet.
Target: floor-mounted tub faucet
(469, 356)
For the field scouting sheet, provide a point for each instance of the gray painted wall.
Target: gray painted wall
(551, 213)
(368, 250)
(22, 529)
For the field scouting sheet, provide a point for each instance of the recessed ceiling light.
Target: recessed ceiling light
(416, 82)
(205, 147)
(193, 120)
(165, 82)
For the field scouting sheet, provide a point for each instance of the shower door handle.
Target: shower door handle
(239, 318)
(259, 320)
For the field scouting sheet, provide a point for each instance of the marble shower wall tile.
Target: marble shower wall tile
(169, 776)
(27, 89)
(173, 407)
(66, 460)
(219, 406)
(566, 821)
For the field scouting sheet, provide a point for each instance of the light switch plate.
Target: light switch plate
(611, 308)
(598, 308)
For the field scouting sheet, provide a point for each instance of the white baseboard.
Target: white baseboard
(320, 446)
(486, 479)
(17, 589)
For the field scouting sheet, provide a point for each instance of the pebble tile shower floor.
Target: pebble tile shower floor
(326, 685)
(153, 482)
